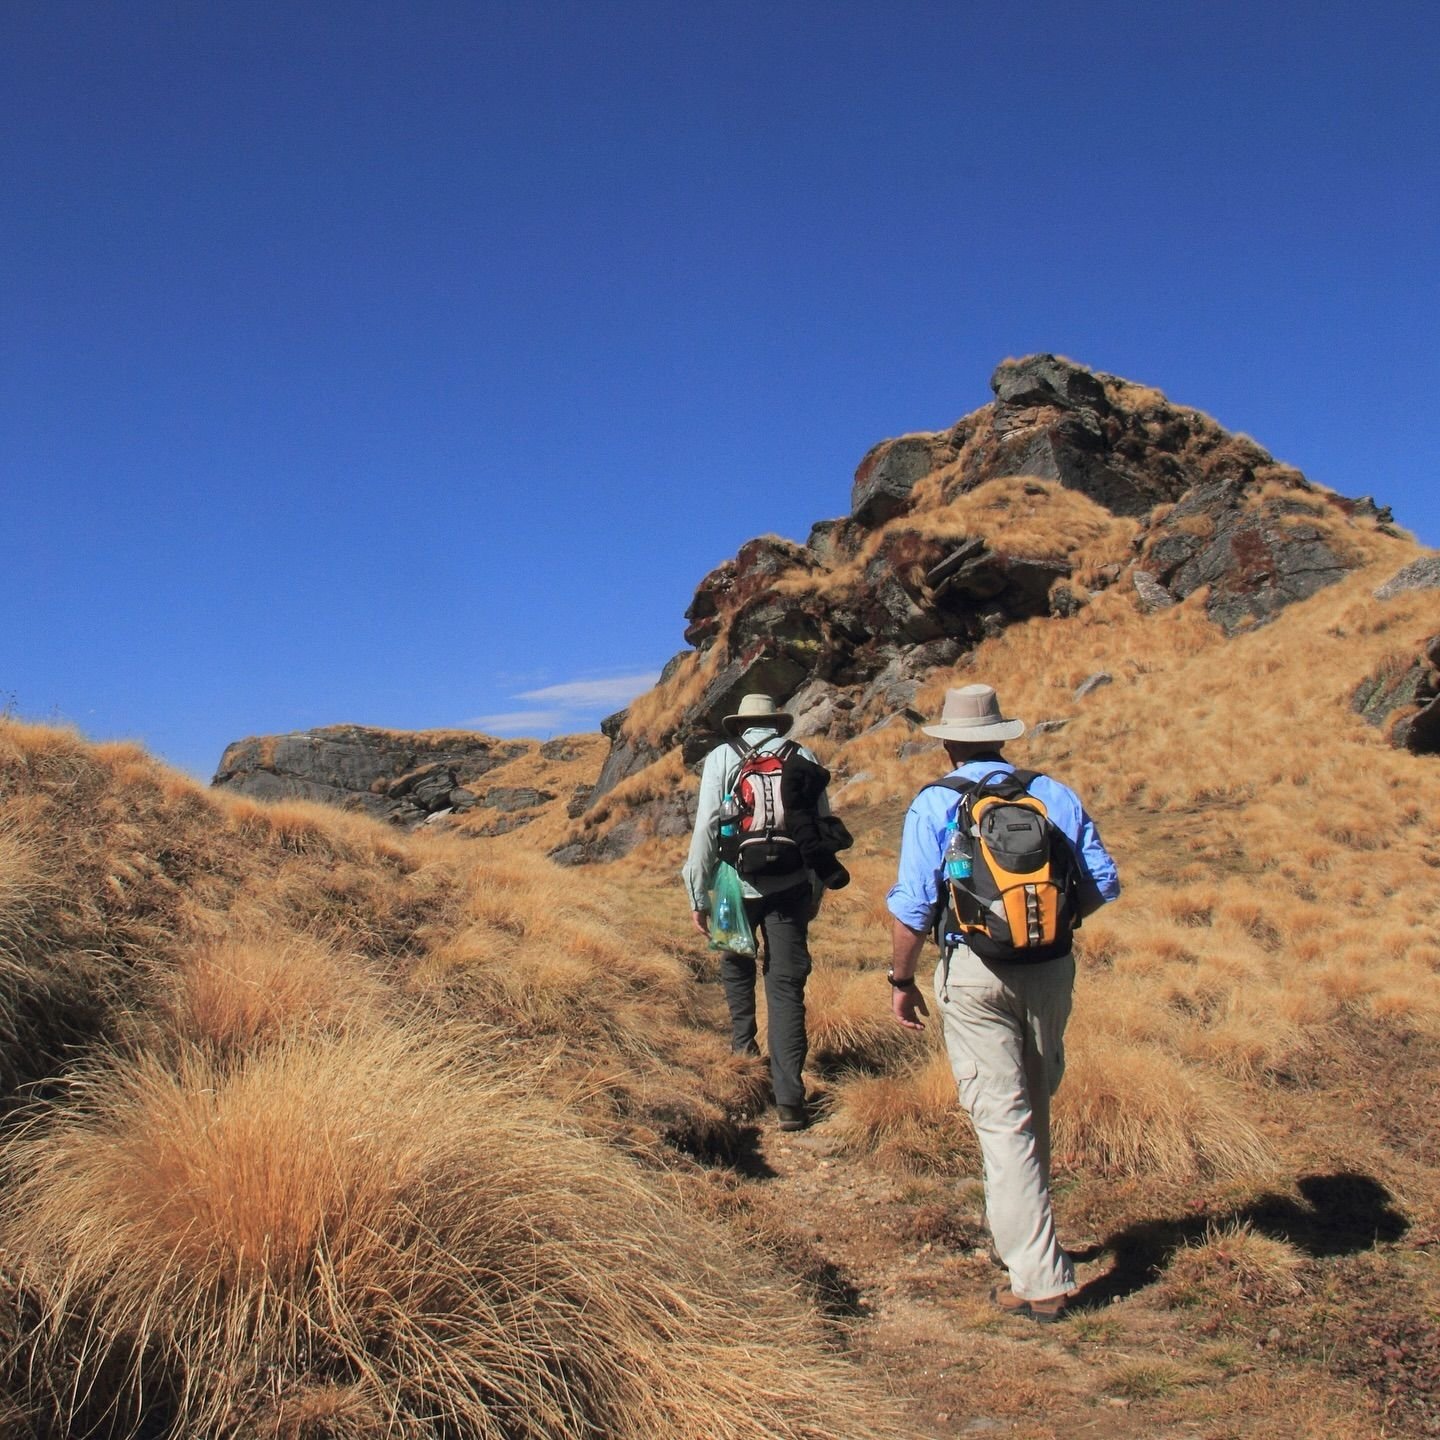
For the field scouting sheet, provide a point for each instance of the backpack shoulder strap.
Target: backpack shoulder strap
(949, 782)
(1027, 777)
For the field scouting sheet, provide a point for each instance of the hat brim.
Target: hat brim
(779, 722)
(991, 730)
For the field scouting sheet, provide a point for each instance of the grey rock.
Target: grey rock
(512, 798)
(397, 777)
(672, 665)
(1048, 727)
(821, 708)
(1065, 602)
(1067, 452)
(1047, 380)
(1407, 700)
(894, 688)
(887, 475)
(911, 748)
(1366, 506)
(1091, 683)
(1421, 574)
(1253, 559)
(1153, 595)
(821, 540)
(627, 756)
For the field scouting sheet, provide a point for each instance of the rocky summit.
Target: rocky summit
(1069, 486)
(1068, 483)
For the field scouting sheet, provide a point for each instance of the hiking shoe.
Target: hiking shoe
(792, 1117)
(1043, 1312)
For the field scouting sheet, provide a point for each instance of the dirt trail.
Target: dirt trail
(909, 1274)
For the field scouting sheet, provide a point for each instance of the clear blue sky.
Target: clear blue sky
(410, 363)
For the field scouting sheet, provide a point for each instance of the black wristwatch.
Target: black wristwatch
(899, 984)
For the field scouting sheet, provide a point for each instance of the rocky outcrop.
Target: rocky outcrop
(393, 776)
(1256, 554)
(1421, 574)
(847, 627)
(1403, 697)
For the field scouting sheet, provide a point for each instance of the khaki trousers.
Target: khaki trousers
(1004, 1029)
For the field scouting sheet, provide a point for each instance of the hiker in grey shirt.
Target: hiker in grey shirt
(779, 908)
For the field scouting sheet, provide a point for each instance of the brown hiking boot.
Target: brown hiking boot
(1043, 1312)
(792, 1117)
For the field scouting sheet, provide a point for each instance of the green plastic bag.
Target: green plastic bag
(729, 929)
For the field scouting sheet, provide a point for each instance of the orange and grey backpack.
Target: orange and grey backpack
(1020, 900)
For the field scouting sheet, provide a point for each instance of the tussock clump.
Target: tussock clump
(372, 1235)
(846, 1026)
(909, 1119)
(1234, 1264)
(239, 993)
(1131, 1109)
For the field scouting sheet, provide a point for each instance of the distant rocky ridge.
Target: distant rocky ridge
(1123, 491)
(851, 623)
(405, 778)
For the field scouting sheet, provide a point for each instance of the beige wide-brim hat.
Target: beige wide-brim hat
(972, 714)
(757, 710)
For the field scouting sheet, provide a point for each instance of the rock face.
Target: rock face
(401, 778)
(1404, 697)
(931, 559)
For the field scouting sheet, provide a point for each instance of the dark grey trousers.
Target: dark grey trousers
(781, 922)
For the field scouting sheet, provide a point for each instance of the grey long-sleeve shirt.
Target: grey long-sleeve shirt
(716, 778)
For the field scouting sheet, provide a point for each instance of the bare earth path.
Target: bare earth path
(907, 1273)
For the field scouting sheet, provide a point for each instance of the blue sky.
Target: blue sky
(410, 363)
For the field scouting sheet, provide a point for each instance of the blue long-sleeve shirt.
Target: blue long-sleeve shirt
(915, 895)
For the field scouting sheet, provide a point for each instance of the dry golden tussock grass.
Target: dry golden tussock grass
(235, 994)
(381, 1228)
(906, 1117)
(1019, 516)
(655, 714)
(1131, 1109)
(1234, 1264)
(845, 1026)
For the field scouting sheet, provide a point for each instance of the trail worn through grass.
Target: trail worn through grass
(1301, 1314)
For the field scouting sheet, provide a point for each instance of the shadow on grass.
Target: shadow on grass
(1337, 1215)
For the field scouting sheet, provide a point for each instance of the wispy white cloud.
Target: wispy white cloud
(569, 706)
(587, 694)
(519, 722)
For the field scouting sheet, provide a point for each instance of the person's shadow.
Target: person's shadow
(1339, 1215)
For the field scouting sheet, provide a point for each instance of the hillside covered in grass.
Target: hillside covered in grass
(314, 1126)
(316, 1129)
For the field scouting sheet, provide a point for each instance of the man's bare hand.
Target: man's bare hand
(907, 1006)
(701, 924)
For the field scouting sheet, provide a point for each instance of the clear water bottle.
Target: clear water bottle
(956, 862)
(730, 816)
(725, 914)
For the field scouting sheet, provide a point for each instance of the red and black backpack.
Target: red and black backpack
(754, 837)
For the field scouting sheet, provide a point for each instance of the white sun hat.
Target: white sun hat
(972, 714)
(757, 710)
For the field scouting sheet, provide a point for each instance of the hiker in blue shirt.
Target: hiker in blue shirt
(1003, 1022)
